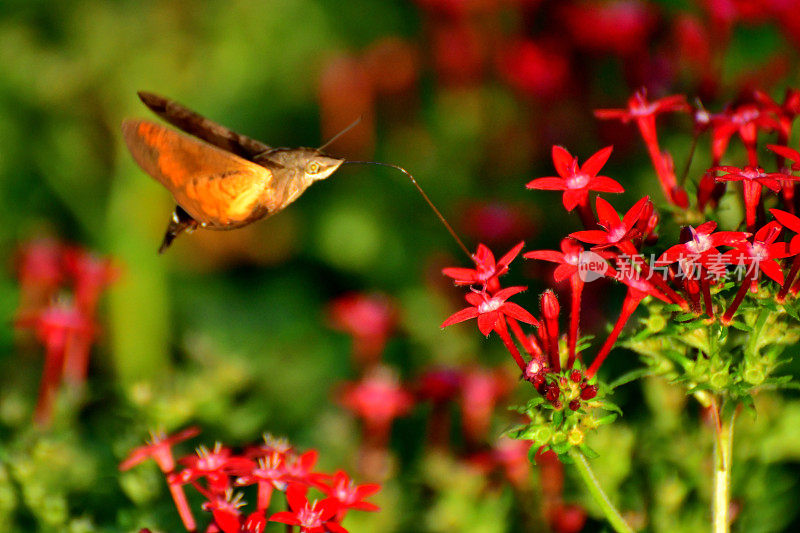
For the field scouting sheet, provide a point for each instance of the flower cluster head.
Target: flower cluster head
(60, 287)
(274, 465)
(688, 280)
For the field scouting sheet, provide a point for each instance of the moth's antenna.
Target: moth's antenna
(348, 128)
(425, 196)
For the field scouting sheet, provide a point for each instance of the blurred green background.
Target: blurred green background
(229, 329)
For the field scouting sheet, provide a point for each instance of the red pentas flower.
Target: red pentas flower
(40, 272)
(349, 495)
(616, 230)
(754, 257)
(66, 333)
(701, 260)
(481, 389)
(369, 318)
(215, 465)
(538, 69)
(792, 223)
(90, 274)
(644, 113)
(569, 258)
(299, 468)
(762, 252)
(270, 473)
(490, 310)
(702, 248)
(746, 120)
(378, 399)
(314, 517)
(486, 270)
(576, 181)
(640, 108)
(753, 178)
(225, 509)
(618, 27)
(160, 449)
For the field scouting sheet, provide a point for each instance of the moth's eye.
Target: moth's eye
(312, 168)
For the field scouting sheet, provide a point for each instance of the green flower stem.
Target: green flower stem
(723, 445)
(751, 350)
(599, 496)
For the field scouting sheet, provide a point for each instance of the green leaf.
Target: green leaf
(740, 326)
(606, 419)
(628, 377)
(588, 452)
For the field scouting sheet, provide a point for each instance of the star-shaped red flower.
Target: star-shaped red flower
(490, 309)
(348, 494)
(752, 179)
(486, 270)
(703, 245)
(616, 229)
(315, 517)
(576, 181)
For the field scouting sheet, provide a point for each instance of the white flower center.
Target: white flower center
(490, 305)
(578, 181)
(699, 244)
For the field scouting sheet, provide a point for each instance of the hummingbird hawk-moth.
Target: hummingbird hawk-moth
(220, 179)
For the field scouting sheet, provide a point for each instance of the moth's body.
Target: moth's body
(224, 181)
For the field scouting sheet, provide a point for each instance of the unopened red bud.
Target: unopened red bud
(589, 392)
(552, 392)
(550, 307)
(557, 404)
(575, 376)
(575, 405)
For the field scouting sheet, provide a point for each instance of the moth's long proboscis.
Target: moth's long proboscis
(425, 196)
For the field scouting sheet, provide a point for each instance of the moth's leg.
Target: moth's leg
(181, 221)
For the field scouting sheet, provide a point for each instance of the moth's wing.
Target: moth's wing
(215, 187)
(196, 124)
